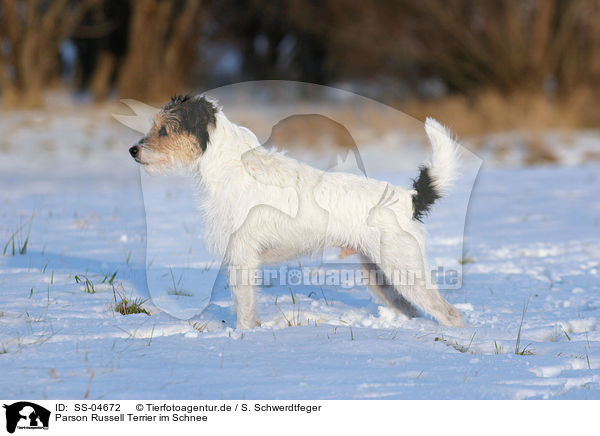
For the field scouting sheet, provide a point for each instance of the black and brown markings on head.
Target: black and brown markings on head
(180, 132)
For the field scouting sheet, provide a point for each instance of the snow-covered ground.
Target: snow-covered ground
(67, 186)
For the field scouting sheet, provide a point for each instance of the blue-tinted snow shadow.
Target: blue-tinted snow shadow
(203, 293)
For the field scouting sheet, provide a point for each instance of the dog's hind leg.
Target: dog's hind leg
(382, 287)
(403, 264)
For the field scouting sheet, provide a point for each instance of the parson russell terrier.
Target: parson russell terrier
(261, 206)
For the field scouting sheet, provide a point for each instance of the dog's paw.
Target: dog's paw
(451, 317)
(247, 324)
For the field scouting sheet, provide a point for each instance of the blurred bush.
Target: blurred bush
(507, 45)
(148, 49)
(31, 34)
(161, 47)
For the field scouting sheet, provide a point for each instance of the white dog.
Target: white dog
(261, 206)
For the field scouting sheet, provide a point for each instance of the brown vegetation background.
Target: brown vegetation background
(499, 64)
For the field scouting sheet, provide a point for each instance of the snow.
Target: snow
(532, 241)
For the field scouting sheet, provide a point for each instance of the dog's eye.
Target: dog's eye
(162, 131)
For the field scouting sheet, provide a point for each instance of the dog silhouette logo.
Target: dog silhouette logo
(26, 415)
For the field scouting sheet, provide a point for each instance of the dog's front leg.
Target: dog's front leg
(242, 279)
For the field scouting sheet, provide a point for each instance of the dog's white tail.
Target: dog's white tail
(435, 178)
(444, 161)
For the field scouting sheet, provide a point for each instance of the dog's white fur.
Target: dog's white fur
(261, 206)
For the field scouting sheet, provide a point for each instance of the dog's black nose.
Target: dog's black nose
(133, 151)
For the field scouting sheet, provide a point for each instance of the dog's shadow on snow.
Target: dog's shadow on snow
(183, 301)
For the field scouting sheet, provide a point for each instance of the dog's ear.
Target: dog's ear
(196, 115)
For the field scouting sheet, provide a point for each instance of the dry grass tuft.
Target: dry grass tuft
(130, 307)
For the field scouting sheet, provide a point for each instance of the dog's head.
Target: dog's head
(179, 135)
